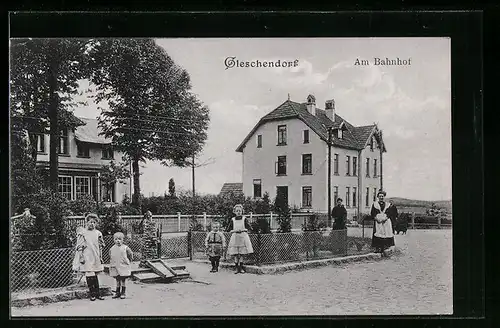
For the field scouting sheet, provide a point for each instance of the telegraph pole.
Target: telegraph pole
(381, 167)
(329, 177)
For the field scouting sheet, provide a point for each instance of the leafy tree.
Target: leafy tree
(263, 206)
(24, 178)
(112, 174)
(171, 187)
(152, 115)
(44, 78)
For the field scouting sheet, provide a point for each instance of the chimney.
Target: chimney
(330, 109)
(311, 104)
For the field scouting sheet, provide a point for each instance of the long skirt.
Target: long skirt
(383, 236)
(240, 244)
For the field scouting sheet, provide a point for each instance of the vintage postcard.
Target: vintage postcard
(230, 177)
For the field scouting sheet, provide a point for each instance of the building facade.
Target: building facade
(82, 154)
(287, 152)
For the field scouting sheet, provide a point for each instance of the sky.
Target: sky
(411, 104)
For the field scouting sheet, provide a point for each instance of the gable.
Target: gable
(353, 137)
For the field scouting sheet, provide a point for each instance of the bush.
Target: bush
(314, 223)
(109, 224)
(261, 225)
(48, 229)
(86, 204)
(282, 208)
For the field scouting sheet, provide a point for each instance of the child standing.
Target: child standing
(215, 242)
(89, 250)
(120, 258)
(239, 244)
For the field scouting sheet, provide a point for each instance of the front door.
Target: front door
(283, 192)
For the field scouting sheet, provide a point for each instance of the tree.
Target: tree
(171, 187)
(152, 115)
(44, 77)
(113, 173)
(282, 208)
(263, 205)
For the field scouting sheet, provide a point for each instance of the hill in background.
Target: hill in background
(404, 202)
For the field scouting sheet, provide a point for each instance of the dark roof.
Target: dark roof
(90, 132)
(353, 137)
(229, 187)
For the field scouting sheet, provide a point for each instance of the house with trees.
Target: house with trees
(287, 153)
(85, 156)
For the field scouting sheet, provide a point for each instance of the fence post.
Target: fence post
(251, 217)
(205, 220)
(271, 220)
(158, 244)
(439, 222)
(413, 220)
(178, 221)
(259, 246)
(190, 247)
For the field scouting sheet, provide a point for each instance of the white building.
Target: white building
(287, 151)
(82, 154)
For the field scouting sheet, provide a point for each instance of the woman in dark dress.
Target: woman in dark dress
(384, 215)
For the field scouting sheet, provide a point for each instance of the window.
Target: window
(335, 194)
(107, 152)
(281, 169)
(336, 164)
(281, 135)
(82, 150)
(347, 197)
(306, 136)
(257, 188)
(348, 165)
(64, 143)
(375, 173)
(367, 199)
(367, 167)
(40, 143)
(82, 186)
(371, 143)
(354, 166)
(374, 194)
(354, 196)
(259, 141)
(65, 186)
(108, 192)
(306, 164)
(340, 133)
(306, 196)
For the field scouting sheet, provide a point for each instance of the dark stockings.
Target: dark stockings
(93, 284)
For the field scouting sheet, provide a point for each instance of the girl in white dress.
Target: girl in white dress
(119, 264)
(239, 244)
(89, 252)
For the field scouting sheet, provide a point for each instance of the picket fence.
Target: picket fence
(181, 222)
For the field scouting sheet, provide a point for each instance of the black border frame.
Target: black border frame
(465, 29)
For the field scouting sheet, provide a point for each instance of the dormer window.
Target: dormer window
(340, 134)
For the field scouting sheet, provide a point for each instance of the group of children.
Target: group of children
(239, 243)
(90, 243)
(88, 258)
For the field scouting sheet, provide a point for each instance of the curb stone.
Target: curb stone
(60, 296)
(295, 266)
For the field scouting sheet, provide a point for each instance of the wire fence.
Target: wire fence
(52, 268)
(287, 247)
(49, 268)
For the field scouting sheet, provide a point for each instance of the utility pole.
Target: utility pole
(330, 177)
(381, 167)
